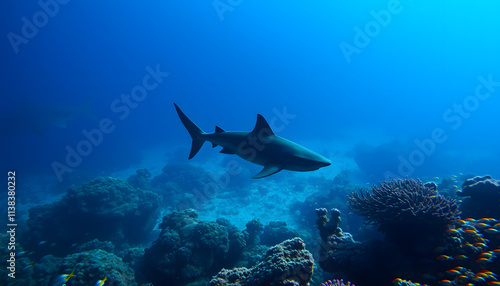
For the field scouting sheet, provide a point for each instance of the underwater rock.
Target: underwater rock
(275, 232)
(287, 263)
(134, 257)
(96, 244)
(184, 185)
(105, 208)
(254, 228)
(482, 197)
(91, 266)
(328, 227)
(140, 180)
(188, 251)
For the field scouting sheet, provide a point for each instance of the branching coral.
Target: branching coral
(404, 201)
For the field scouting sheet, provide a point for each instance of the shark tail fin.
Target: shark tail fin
(195, 132)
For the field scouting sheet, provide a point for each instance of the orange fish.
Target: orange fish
(453, 272)
(492, 230)
(452, 231)
(483, 260)
(482, 225)
(443, 257)
(445, 282)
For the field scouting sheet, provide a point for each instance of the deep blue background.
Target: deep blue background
(259, 56)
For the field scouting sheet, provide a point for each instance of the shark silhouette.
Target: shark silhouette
(260, 146)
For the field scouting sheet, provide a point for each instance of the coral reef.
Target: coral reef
(105, 208)
(287, 263)
(404, 204)
(190, 251)
(140, 180)
(336, 282)
(330, 194)
(276, 232)
(482, 197)
(185, 186)
(254, 227)
(91, 266)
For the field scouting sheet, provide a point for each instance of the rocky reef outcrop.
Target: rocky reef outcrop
(287, 263)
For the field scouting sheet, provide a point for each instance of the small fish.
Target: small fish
(487, 254)
(435, 178)
(101, 282)
(439, 249)
(496, 283)
(42, 242)
(482, 225)
(444, 257)
(428, 276)
(453, 272)
(454, 186)
(453, 176)
(445, 282)
(492, 231)
(20, 253)
(460, 257)
(461, 279)
(453, 231)
(496, 251)
(479, 245)
(62, 279)
(483, 260)
(487, 220)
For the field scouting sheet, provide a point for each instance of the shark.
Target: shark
(260, 146)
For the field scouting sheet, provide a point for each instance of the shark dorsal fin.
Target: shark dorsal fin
(262, 125)
(218, 129)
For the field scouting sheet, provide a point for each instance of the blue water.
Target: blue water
(384, 89)
(226, 63)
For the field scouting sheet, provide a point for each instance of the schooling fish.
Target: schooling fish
(62, 279)
(260, 146)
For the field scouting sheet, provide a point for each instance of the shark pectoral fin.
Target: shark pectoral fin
(226, 151)
(268, 170)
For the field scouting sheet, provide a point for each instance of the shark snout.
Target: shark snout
(324, 162)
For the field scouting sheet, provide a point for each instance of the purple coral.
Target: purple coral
(406, 202)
